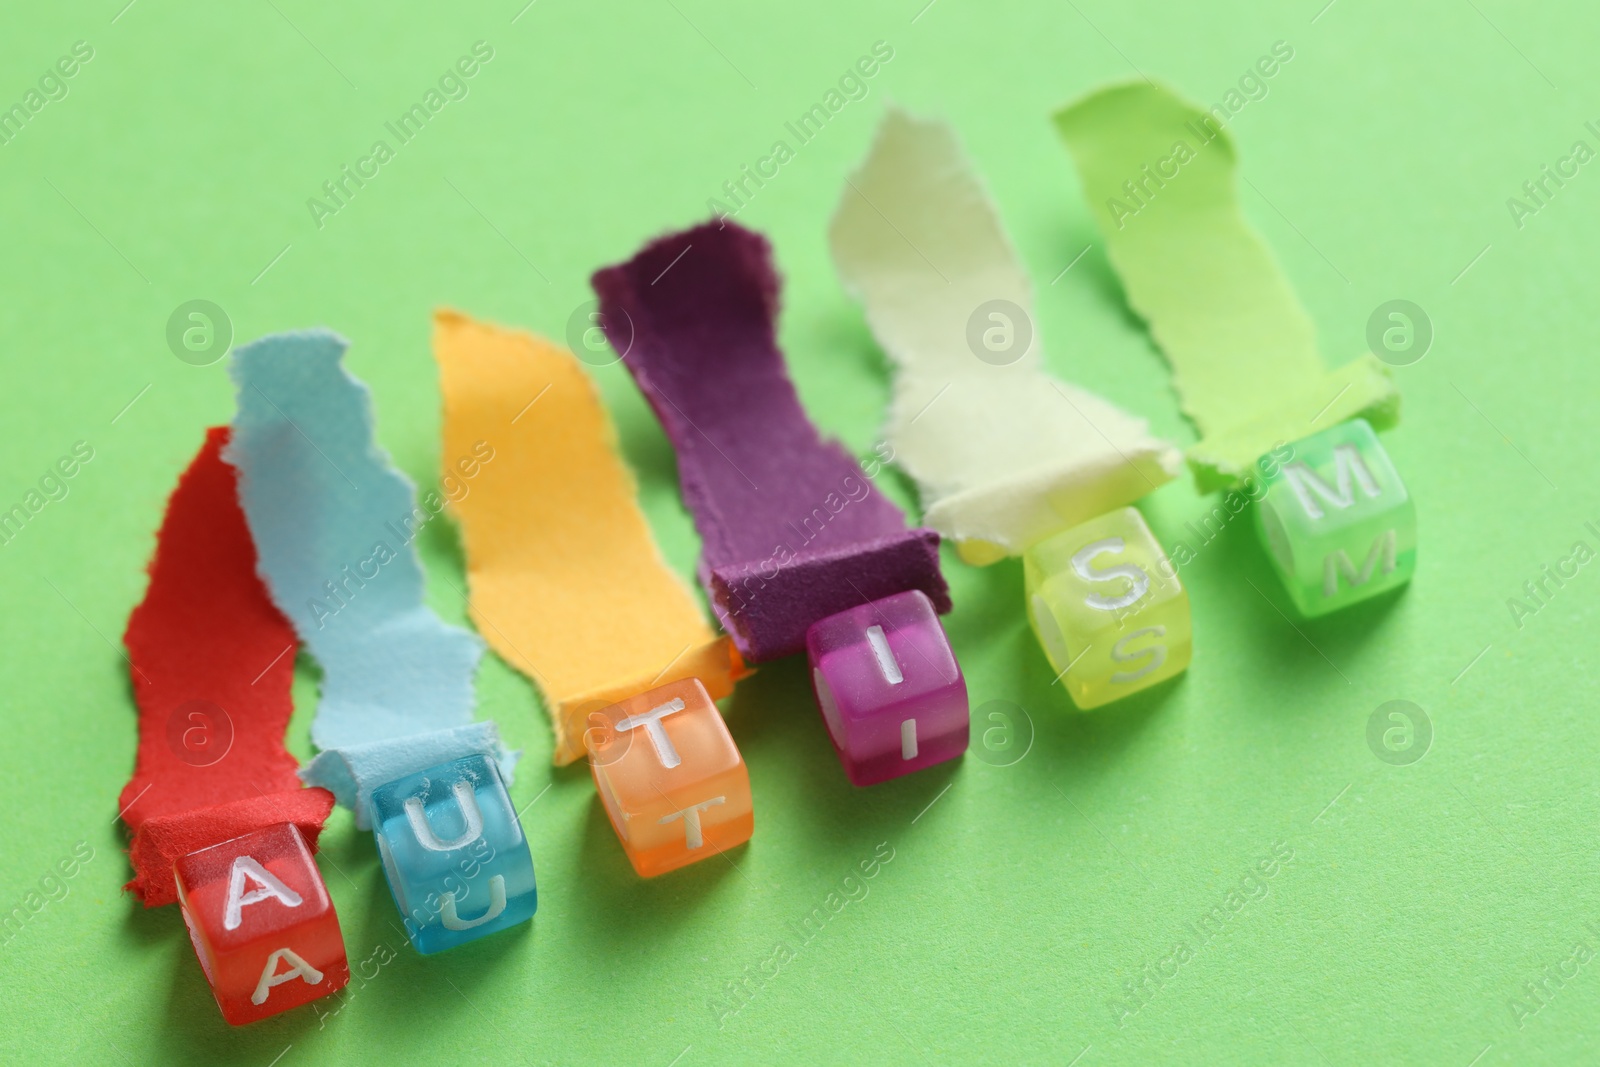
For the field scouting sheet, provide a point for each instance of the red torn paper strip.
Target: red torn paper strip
(212, 660)
(163, 839)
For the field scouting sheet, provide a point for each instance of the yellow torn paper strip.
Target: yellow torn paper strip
(1003, 453)
(567, 583)
(1160, 176)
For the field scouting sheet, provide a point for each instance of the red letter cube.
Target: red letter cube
(262, 923)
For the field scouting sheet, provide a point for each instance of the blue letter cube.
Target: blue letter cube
(454, 854)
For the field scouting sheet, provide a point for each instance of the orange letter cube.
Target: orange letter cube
(670, 776)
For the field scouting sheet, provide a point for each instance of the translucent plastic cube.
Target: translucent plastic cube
(889, 687)
(1337, 520)
(262, 923)
(1107, 608)
(454, 853)
(670, 777)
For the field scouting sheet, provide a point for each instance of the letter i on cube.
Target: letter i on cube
(1337, 520)
(454, 853)
(1107, 607)
(670, 777)
(890, 690)
(262, 923)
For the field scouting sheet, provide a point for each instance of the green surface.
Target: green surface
(1420, 898)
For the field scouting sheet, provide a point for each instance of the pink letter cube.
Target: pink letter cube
(889, 687)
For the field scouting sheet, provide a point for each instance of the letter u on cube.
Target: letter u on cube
(454, 853)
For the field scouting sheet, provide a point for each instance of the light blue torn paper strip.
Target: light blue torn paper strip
(334, 524)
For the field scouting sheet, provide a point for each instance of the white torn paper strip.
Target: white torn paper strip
(1004, 454)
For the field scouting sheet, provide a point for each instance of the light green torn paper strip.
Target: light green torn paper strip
(1159, 174)
(1003, 453)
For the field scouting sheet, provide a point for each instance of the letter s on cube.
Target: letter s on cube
(891, 692)
(670, 777)
(454, 853)
(1101, 602)
(262, 923)
(1337, 520)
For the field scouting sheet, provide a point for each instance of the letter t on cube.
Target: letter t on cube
(1337, 520)
(670, 777)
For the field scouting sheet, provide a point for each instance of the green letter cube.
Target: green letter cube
(1337, 520)
(1107, 607)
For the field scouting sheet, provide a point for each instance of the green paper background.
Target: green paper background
(1020, 898)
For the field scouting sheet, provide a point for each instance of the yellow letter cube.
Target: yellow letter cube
(1107, 607)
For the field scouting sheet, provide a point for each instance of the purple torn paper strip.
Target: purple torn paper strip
(792, 530)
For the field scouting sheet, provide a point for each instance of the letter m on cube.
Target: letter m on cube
(1337, 520)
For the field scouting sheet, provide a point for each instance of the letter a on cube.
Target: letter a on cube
(262, 923)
